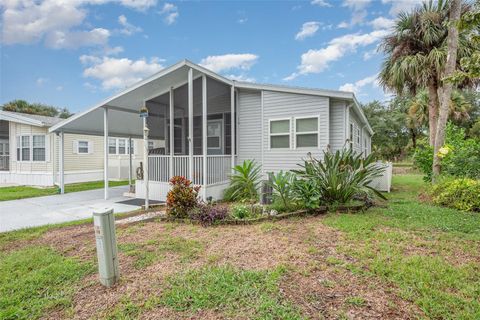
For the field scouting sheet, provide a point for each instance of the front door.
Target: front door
(214, 136)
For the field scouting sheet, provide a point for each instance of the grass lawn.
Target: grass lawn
(21, 192)
(405, 259)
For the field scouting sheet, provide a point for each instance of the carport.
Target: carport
(120, 116)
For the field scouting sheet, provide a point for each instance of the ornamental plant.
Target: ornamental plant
(341, 176)
(244, 183)
(282, 186)
(462, 194)
(208, 214)
(182, 197)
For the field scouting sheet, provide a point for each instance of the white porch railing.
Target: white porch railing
(218, 168)
(4, 162)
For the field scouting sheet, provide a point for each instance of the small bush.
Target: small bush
(282, 186)
(462, 194)
(208, 214)
(306, 193)
(241, 211)
(244, 183)
(182, 197)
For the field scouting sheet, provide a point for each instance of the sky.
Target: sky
(75, 53)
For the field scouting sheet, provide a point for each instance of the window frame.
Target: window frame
(44, 147)
(289, 133)
(295, 133)
(219, 136)
(78, 147)
(19, 148)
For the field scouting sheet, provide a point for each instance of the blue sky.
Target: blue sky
(74, 53)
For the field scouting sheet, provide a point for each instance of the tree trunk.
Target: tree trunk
(432, 109)
(447, 86)
(414, 138)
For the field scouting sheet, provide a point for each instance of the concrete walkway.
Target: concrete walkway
(18, 214)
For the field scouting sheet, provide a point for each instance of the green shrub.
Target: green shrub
(282, 186)
(306, 193)
(182, 197)
(462, 158)
(341, 175)
(241, 211)
(462, 194)
(244, 183)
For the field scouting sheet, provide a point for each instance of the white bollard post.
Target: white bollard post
(104, 225)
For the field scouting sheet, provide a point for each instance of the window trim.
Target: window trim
(117, 147)
(78, 147)
(18, 142)
(295, 133)
(280, 134)
(220, 136)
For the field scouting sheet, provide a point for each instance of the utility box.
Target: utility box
(104, 225)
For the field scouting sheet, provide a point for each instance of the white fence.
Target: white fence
(384, 182)
(218, 168)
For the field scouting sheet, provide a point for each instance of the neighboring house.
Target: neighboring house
(29, 153)
(210, 123)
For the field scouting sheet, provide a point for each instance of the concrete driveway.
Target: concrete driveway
(18, 214)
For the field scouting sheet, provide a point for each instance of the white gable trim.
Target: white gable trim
(18, 118)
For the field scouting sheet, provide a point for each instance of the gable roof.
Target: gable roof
(130, 100)
(30, 119)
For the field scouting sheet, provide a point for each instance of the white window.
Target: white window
(150, 145)
(82, 147)
(31, 148)
(25, 148)
(122, 146)
(365, 147)
(112, 146)
(306, 132)
(280, 134)
(214, 134)
(39, 148)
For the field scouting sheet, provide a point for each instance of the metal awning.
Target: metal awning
(124, 107)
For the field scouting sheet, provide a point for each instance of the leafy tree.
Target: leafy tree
(392, 133)
(36, 108)
(416, 52)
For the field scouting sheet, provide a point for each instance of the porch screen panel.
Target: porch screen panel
(197, 116)
(218, 113)
(180, 137)
(158, 114)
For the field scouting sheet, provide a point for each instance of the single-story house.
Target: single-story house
(29, 153)
(210, 123)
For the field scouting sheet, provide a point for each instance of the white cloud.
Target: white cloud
(382, 23)
(226, 62)
(316, 61)
(77, 39)
(117, 73)
(240, 77)
(321, 3)
(367, 55)
(112, 51)
(128, 28)
(343, 25)
(359, 12)
(308, 30)
(401, 5)
(59, 88)
(55, 21)
(242, 20)
(40, 81)
(140, 5)
(169, 12)
(357, 86)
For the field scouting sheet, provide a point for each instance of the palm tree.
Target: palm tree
(459, 108)
(416, 52)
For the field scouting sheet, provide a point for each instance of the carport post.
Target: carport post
(105, 151)
(190, 124)
(204, 135)
(62, 163)
(130, 163)
(145, 162)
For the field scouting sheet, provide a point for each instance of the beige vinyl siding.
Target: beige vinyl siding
(93, 160)
(337, 124)
(280, 105)
(16, 166)
(249, 129)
